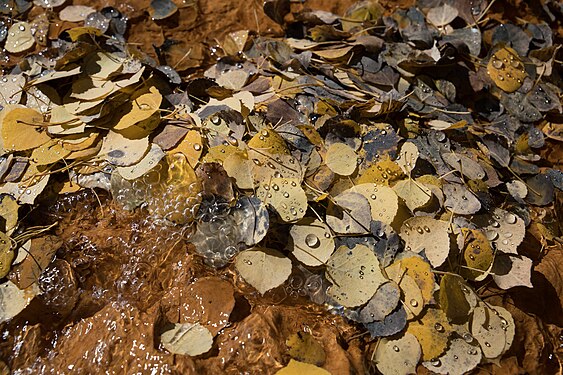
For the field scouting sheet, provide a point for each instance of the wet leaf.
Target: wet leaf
(460, 358)
(519, 272)
(350, 213)
(428, 235)
(13, 300)
(340, 158)
(312, 243)
(187, 339)
(398, 356)
(298, 368)
(432, 332)
(303, 347)
(20, 38)
(453, 299)
(460, 200)
(487, 328)
(383, 302)
(414, 194)
(263, 268)
(22, 129)
(383, 201)
(355, 275)
(478, 254)
(506, 69)
(407, 157)
(285, 196)
(6, 255)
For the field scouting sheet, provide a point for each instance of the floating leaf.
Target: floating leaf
(460, 358)
(263, 268)
(398, 356)
(254, 219)
(341, 159)
(350, 213)
(299, 368)
(383, 201)
(187, 339)
(423, 233)
(355, 275)
(303, 347)
(432, 332)
(312, 243)
(506, 69)
(41, 253)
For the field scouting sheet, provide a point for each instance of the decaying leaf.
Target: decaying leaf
(303, 347)
(187, 339)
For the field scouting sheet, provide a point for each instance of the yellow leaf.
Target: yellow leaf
(432, 332)
(267, 140)
(303, 347)
(22, 130)
(139, 108)
(506, 69)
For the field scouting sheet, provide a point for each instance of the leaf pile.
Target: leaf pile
(391, 159)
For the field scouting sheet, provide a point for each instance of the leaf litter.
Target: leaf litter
(389, 156)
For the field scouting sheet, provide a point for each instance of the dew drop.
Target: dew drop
(435, 362)
(197, 146)
(467, 337)
(286, 194)
(487, 345)
(396, 348)
(427, 229)
(500, 77)
(438, 327)
(414, 303)
(420, 230)
(510, 218)
(312, 240)
(497, 64)
(373, 196)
